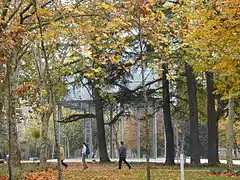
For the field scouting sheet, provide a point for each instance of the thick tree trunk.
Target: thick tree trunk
(230, 136)
(42, 69)
(170, 152)
(44, 136)
(14, 153)
(193, 109)
(100, 127)
(3, 121)
(212, 122)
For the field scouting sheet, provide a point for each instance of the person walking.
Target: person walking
(84, 155)
(122, 156)
(62, 157)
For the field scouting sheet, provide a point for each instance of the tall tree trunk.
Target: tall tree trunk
(170, 152)
(56, 133)
(44, 77)
(3, 121)
(44, 141)
(219, 113)
(230, 136)
(100, 126)
(212, 122)
(14, 153)
(44, 136)
(193, 109)
(145, 98)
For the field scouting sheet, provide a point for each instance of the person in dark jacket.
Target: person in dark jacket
(122, 156)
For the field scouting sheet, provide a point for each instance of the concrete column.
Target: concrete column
(122, 129)
(90, 136)
(154, 135)
(85, 128)
(165, 143)
(182, 166)
(59, 115)
(111, 141)
(68, 148)
(138, 133)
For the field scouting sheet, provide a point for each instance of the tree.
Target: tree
(10, 53)
(193, 114)
(16, 25)
(100, 126)
(36, 135)
(212, 122)
(230, 136)
(212, 36)
(100, 57)
(167, 119)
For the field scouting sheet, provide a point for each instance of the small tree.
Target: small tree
(35, 133)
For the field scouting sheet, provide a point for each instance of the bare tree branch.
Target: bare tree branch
(76, 117)
(115, 119)
(14, 12)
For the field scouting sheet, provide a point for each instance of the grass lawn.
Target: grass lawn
(141, 175)
(109, 171)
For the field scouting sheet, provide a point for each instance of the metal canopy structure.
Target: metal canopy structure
(76, 104)
(86, 107)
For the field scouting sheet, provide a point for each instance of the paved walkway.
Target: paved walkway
(157, 160)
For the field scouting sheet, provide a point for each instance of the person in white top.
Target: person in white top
(84, 155)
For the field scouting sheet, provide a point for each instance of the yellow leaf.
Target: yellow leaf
(127, 69)
(104, 63)
(44, 93)
(104, 5)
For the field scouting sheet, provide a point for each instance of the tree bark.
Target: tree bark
(44, 136)
(3, 122)
(14, 153)
(170, 152)
(100, 126)
(230, 136)
(212, 122)
(44, 77)
(193, 109)
(56, 133)
(219, 113)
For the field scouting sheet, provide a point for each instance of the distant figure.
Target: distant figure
(62, 157)
(122, 156)
(1, 158)
(84, 155)
(7, 157)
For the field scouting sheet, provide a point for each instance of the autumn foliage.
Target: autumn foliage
(212, 33)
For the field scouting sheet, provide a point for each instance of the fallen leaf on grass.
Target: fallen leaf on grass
(3, 177)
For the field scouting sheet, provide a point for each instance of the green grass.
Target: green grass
(158, 172)
(3, 170)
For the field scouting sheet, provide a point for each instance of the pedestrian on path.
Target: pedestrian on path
(62, 157)
(122, 156)
(84, 155)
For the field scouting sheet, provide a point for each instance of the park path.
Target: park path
(139, 160)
